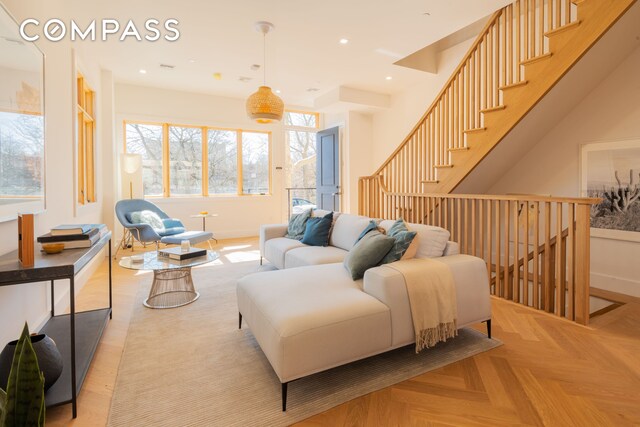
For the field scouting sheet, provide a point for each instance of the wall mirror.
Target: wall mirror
(22, 168)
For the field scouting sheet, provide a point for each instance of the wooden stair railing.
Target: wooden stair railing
(546, 302)
(522, 52)
(502, 229)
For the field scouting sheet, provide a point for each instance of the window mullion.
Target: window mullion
(205, 163)
(165, 160)
(239, 156)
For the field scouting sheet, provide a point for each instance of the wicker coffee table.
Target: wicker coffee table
(172, 282)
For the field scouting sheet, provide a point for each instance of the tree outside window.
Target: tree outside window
(185, 160)
(255, 163)
(300, 138)
(222, 148)
(146, 140)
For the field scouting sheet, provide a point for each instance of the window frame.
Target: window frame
(85, 142)
(166, 169)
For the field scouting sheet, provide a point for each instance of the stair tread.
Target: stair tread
(496, 108)
(562, 28)
(459, 149)
(430, 181)
(443, 166)
(536, 59)
(474, 130)
(513, 85)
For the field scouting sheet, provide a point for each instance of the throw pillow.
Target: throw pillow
(148, 217)
(397, 227)
(297, 225)
(402, 241)
(316, 232)
(412, 250)
(373, 225)
(367, 253)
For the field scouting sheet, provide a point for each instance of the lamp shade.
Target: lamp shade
(131, 163)
(265, 106)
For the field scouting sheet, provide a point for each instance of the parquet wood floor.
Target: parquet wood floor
(548, 372)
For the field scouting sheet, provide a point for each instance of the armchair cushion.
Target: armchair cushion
(147, 217)
(172, 223)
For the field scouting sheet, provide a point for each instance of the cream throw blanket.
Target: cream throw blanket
(432, 296)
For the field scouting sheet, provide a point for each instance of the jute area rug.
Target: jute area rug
(191, 366)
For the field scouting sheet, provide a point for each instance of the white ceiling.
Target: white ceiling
(302, 52)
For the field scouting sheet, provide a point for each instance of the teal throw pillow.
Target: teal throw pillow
(317, 230)
(367, 253)
(402, 241)
(148, 217)
(297, 225)
(397, 227)
(373, 225)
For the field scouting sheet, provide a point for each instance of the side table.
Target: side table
(204, 221)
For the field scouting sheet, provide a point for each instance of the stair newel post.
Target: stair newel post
(583, 262)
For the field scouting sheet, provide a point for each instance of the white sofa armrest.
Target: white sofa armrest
(472, 294)
(271, 231)
(452, 248)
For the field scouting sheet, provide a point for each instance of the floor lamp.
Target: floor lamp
(131, 178)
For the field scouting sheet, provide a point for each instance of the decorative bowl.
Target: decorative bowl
(52, 248)
(204, 212)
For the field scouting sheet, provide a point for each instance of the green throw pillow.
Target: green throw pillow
(367, 253)
(402, 241)
(148, 217)
(297, 225)
(317, 230)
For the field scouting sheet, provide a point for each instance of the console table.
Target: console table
(76, 334)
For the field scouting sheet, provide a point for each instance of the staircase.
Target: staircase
(537, 249)
(523, 51)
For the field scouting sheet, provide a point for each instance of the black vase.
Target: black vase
(49, 360)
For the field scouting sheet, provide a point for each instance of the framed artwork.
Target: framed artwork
(611, 171)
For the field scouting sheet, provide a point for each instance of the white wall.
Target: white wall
(610, 112)
(238, 216)
(29, 302)
(391, 126)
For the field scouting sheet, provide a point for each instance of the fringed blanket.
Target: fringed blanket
(432, 296)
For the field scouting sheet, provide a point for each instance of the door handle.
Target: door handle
(336, 194)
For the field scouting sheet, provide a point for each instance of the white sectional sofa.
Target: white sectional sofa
(310, 315)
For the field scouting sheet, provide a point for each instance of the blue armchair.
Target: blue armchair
(144, 233)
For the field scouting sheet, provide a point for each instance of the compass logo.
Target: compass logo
(55, 30)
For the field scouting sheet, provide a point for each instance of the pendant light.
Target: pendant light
(264, 106)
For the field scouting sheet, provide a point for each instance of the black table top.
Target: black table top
(48, 267)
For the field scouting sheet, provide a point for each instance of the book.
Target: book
(75, 244)
(177, 254)
(67, 229)
(96, 230)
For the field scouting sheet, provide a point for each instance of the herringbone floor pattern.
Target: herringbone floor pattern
(548, 372)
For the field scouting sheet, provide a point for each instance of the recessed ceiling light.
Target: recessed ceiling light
(312, 89)
(426, 13)
(255, 67)
(141, 71)
(192, 60)
(217, 76)
(388, 78)
(278, 91)
(344, 41)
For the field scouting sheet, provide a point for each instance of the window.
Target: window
(300, 139)
(86, 142)
(255, 163)
(198, 160)
(185, 160)
(21, 155)
(146, 140)
(222, 149)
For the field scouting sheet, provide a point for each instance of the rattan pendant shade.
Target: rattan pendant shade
(264, 106)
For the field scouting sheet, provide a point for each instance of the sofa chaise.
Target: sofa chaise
(310, 315)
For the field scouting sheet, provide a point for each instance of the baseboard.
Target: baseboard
(617, 284)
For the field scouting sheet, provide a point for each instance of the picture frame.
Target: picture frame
(611, 171)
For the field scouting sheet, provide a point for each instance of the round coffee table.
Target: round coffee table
(172, 283)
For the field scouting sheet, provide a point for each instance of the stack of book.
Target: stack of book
(176, 253)
(75, 235)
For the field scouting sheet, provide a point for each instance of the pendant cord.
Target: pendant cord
(264, 59)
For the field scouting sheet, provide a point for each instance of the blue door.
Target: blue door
(328, 169)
